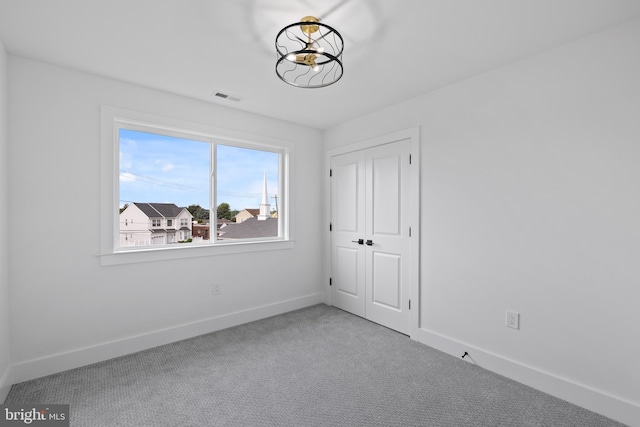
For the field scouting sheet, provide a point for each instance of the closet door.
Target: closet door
(370, 234)
(388, 245)
(347, 232)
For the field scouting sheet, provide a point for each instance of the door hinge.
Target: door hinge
(409, 304)
(409, 158)
(409, 231)
(330, 282)
(330, 227)
(330, 172)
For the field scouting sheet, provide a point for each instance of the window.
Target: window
(247, 183)
(173, 176)
(223, 189)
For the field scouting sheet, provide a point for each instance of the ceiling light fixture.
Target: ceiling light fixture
(309, 54)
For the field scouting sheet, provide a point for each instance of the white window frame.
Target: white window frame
(112, 119)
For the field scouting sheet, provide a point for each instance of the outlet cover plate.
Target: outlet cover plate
(513, 320)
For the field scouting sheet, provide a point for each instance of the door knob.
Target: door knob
(359, 241)
(369, 243)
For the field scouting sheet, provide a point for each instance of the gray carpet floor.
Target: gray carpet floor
(318, 366)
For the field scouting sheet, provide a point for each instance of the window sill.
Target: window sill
(133, 256)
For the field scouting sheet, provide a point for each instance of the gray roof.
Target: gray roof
(251, 228)
(157, 210)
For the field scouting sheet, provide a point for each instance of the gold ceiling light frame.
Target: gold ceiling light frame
(309, 54)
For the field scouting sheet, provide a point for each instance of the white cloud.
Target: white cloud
(167, 167)
(127, 177)
(125, 161)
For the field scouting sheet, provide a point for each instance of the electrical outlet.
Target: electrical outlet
(215, 289)
(513, 320)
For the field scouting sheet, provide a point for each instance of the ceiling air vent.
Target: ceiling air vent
(226, 96)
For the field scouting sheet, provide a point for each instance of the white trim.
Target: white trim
(165, 253)
(112, 118)
(589, 398)
(5, 383)
(36, 368)
(414, 135)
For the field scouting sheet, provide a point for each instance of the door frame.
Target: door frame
(412, 134)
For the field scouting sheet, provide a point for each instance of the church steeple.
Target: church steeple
(265, 207)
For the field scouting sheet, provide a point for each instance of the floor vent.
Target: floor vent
(227, 96)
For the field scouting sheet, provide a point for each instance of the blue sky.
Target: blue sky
(163, 169)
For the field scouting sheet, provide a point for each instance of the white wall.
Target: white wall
(66, 309)
(529, 202)
(5, 373)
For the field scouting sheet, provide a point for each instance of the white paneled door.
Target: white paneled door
(371, 233)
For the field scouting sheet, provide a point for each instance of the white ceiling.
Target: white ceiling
(394, 49)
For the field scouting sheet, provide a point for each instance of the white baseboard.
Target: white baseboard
(36, 368)
(594, 400)
(5, 383)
